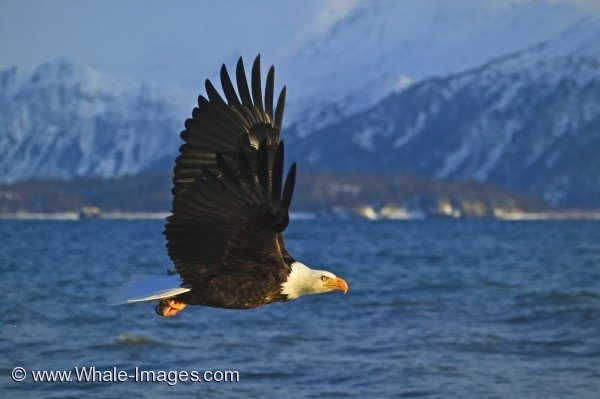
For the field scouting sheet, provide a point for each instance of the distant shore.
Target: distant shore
(78, 216)
(513, 216)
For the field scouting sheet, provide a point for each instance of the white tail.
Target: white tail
(147, 288)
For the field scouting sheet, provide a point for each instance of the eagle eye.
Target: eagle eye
(324, 278)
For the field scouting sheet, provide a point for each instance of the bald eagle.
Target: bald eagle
(230, 208)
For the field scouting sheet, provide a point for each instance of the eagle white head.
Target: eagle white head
(303, 280)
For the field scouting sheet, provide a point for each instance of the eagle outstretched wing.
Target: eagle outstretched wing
(229, 208)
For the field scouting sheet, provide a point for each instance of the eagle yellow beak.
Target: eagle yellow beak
(338, 284)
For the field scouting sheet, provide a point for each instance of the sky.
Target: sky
(136, 38)
(118, 36)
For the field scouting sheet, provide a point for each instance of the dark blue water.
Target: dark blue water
(469, 309)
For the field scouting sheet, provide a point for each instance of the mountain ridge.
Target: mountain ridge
(539, 117)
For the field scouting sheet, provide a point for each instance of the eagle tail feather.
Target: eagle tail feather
(143, 288)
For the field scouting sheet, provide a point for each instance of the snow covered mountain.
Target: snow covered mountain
(66, 120)
(380, 47)
(390, 86)
(527, 121)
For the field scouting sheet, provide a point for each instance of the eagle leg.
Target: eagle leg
(169, 307)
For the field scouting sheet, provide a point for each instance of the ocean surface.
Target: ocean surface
(436, 309)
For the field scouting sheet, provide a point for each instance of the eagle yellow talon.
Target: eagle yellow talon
(169, 307)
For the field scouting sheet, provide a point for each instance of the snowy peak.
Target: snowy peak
(67, 120)
(66, 72)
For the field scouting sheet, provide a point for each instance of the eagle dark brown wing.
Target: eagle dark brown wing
(229, 208)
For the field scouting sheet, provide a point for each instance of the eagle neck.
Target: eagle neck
(300, 281)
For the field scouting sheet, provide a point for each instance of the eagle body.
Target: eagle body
(230, 207)
(253, 289)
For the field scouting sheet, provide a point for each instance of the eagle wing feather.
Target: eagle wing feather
(228, 206)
